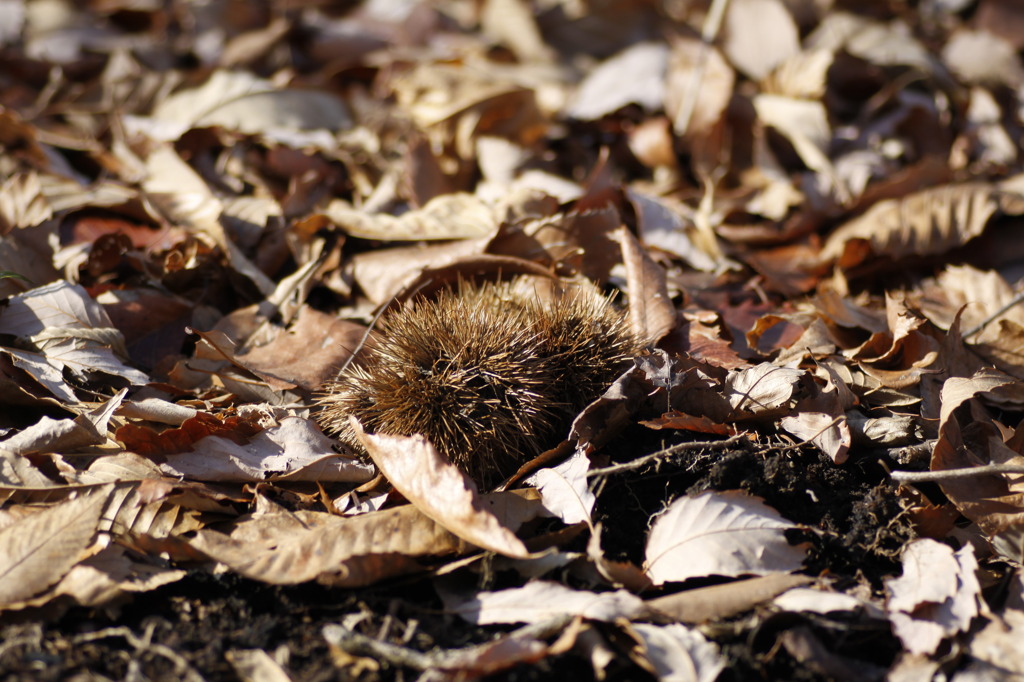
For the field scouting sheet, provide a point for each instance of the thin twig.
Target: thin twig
(956, 474)
(1016, 300)
(356, 644)
(912, 454)
(182, 669)
(666, 453)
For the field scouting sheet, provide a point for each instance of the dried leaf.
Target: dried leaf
(763, 389)
(728, 534)
(447, 216)
(680, 654)
(41, 548)
(70, 330)
(287, 548)
(635, 75)
(541, 600)
(105, 578)
(998, 645)
(650, 308)
(937, 596)
(928, 222)
(295, 450)
(440, 490)
(236, 100)
(811, 600)
(705, 604)
(700, 85)
(761, 34)
(564, 490)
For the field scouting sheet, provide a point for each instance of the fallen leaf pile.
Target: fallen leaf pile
(808, 213)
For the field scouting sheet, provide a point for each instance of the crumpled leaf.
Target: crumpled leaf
(448, 216)
(287, 548)
(728, 534)
(62, 435)
(928, 222)
(998, 645)
(937, 596)
(70, 330)
(821, 419)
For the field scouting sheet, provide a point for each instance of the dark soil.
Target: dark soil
(854, 522)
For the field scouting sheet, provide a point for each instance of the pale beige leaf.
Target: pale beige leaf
(728, 534)
(16, 471)
(70, 329)
(937, 596)
(157, 410)
(998, 644)
(812, 600)
(634, 76)
(651, 312)
(760, 35)
(447, 216)
(439, 490)
(762, 389)
(680, 654)
(668, 224)
(513, 22)
(978, 57)
(40, 549)
(63, 435)
(541, 600)
(987, 382)
(830, 433)
(564, 491)
(802, 76)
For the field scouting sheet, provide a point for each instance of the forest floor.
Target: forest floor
(798, 221)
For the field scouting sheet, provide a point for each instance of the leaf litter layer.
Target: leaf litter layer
(806, 215)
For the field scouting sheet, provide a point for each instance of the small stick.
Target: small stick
(356, 644)
(956, 474)
(991, 318)
(666, 453)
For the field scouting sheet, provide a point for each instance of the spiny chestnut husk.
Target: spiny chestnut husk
(489, 374)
